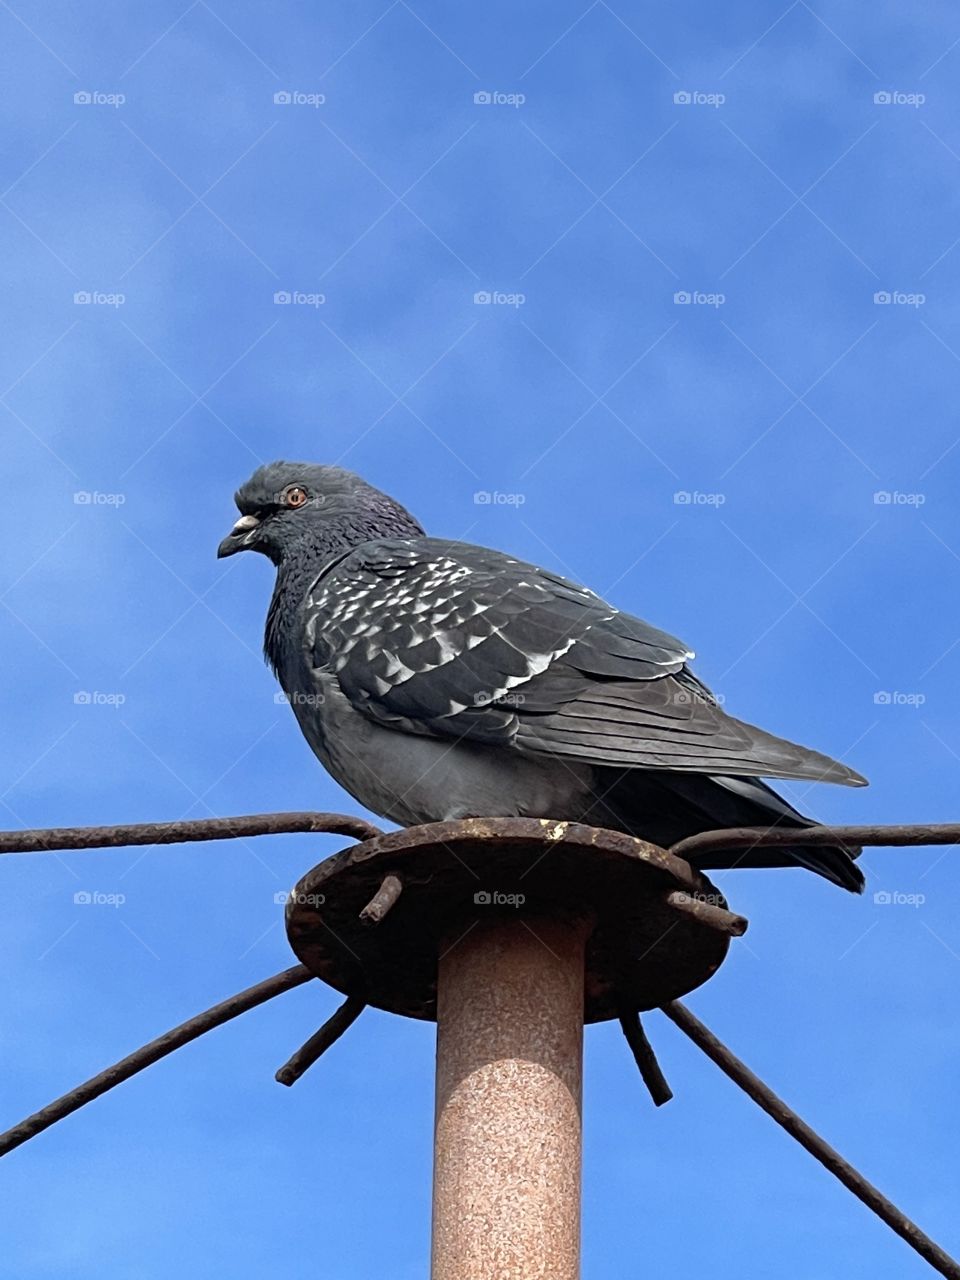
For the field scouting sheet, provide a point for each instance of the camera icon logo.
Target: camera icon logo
(482, 898)
(683, 98)
(83, 98)
(283, 98)
(483, 98)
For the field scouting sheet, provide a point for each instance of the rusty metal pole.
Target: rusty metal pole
(506, 1191)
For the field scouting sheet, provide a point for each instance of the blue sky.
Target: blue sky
(803, 400)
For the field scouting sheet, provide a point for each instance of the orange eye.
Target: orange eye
(294, 496)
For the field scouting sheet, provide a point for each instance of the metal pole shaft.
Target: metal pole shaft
(509, 1071)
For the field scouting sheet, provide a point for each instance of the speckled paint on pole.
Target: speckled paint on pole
(508, 1122)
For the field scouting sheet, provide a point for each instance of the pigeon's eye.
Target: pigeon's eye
(294, 496)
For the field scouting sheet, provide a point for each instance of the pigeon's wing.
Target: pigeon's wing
(448, 638)
(673, 723)
(458, 641)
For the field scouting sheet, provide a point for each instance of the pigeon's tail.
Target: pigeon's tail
(667, 807)
(833, 863)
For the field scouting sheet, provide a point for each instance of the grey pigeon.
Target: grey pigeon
(438, 680)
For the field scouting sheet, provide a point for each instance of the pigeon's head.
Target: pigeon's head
(304, 509)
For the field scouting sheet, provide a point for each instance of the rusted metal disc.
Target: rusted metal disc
(641, 952)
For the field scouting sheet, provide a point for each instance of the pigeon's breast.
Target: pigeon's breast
(413, 778)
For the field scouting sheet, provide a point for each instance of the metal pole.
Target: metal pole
(506, 1191)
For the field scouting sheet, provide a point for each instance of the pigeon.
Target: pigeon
(437, 680)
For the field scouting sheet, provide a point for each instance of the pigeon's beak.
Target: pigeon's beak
(240, 536)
